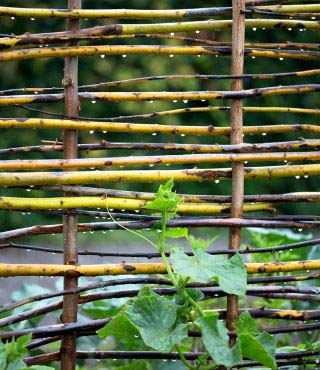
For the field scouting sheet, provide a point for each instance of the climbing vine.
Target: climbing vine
(165, 324)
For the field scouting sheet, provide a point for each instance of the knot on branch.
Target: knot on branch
(67, 82)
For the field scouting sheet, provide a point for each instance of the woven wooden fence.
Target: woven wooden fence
(169, 33)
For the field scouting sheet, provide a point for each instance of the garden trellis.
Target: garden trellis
(173, 33)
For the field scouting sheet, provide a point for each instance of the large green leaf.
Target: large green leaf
(258, 348)
(255, 345)
(156, 317)
(247, 324)
(203, 267)
(215, 338)
(120, 327)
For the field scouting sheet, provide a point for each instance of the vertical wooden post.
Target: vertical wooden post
(236, 124)
(70, 141)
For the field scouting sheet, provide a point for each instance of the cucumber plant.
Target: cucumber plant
(163, 324)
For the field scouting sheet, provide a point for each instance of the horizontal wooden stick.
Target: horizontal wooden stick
(264, 76)
(173, 111)
(141, 176)
(112, 13)
(151, 129)
(147, 14)
(151, 96)
(118, 203)
(149, 280)
(7, 270)
(92, 163)
(195, 198)
(195, 148)
(6, 236)
(37, 53)
(153, 355)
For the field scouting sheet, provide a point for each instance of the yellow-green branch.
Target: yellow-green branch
(163, 95)
(142, 176)
(151, 129)
(47, 164)
(12, 203)
(146, 14)
(7, 270)
(81, 51)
